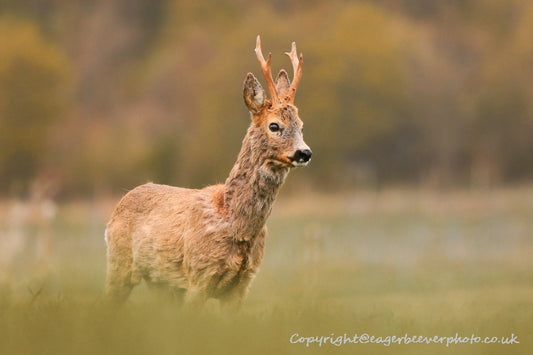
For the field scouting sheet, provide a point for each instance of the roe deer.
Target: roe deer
(208, 243)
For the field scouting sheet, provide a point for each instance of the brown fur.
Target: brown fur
(208, 242)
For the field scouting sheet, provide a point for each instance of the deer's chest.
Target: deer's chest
(239, 265)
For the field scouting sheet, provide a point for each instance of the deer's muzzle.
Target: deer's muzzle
(301, 157)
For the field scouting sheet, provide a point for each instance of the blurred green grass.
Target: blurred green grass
(393, 262)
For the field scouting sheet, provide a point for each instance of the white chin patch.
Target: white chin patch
(299, 164)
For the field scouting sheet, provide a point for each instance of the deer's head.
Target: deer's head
(277, 128)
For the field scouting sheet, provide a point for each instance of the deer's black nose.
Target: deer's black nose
(302, 156)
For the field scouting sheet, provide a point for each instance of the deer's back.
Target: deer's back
(161, 212)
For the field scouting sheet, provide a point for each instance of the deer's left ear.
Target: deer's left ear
(253, 94)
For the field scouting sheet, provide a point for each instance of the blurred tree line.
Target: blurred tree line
(104, 95)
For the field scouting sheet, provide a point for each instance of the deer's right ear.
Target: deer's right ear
(253, 94)
(283, 83)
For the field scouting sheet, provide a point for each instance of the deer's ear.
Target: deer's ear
(253, 94)
(282, 83)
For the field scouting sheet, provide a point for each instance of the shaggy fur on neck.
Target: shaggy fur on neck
(251, 187)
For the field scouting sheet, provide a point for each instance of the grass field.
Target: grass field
(384, 263)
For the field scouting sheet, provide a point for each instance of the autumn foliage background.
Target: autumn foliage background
(101, 96)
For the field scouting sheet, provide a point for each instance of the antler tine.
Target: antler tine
(267, 70)
(297, 68)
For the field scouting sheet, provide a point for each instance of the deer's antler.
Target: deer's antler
(297, 68)
(267, 70)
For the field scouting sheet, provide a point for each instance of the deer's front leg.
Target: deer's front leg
(195, 298)
(232, 300)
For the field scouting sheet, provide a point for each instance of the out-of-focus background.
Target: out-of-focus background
(415, 215)
(104, 95)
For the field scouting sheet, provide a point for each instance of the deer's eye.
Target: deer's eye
(273, 127)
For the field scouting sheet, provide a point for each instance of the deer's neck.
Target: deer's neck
(251, 188)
